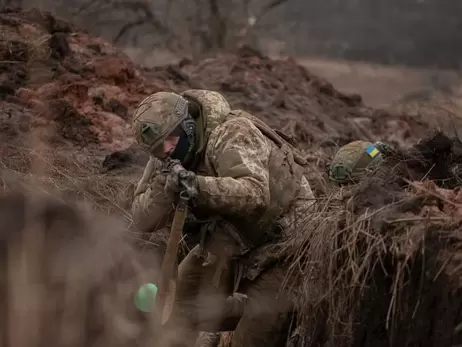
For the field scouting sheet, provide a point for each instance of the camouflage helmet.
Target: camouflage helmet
(352, 160)
(156, 117)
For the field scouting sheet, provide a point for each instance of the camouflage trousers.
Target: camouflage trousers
(261, 318)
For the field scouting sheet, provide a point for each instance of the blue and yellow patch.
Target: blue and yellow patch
(372, 151)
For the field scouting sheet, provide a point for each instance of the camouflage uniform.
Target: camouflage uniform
(251, 189)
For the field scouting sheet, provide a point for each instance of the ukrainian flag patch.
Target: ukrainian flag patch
(372, 151)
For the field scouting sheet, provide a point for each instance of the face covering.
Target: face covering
(182, 147)
(187, 133)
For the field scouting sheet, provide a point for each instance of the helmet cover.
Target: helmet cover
(156, 117)
(352, 160)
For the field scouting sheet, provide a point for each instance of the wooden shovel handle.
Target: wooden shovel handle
(168, 273)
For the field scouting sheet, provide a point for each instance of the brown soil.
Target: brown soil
(77, 84)
(290, 98)
(386, 270)
(67, 98)
(77, 92)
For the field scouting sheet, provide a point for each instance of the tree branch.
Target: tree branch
(198, 25)
(270, 6)
(218, 25)
(127, 27)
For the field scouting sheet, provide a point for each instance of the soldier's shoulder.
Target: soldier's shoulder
(239, 129)
(239, 121)
(206, 96)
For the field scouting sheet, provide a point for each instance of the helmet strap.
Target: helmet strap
(189, 127)
(185, 145)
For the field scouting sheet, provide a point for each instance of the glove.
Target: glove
(179, 179)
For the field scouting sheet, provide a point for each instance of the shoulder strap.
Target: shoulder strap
(278, 137)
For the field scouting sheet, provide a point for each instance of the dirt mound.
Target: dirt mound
(305, 106)
(52, 74)
(76, 92)
(438, 108)
(386, 270)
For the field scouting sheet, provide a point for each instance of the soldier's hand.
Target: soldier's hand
(178, 180)
(172, 186)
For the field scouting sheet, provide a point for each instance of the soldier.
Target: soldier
(353, 160)
(251, 190)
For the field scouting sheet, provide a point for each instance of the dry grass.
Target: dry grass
(69, 266)
(360, 274)
(358, 269)
(382, 267)
(68, 175)
(76, 177)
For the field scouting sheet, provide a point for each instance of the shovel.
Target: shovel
(169, 270)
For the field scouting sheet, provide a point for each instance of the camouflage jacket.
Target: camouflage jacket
(243, 176)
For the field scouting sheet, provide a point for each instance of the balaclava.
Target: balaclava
(187, 133)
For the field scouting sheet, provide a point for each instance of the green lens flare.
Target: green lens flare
(145, 297)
